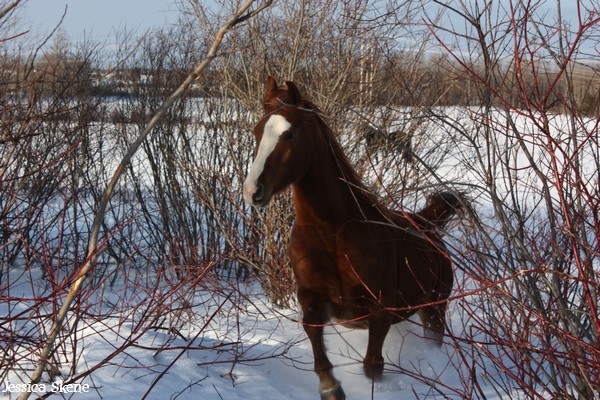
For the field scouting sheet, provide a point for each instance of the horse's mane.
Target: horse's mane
(362, 194)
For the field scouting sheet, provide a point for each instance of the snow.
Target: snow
(233, 344)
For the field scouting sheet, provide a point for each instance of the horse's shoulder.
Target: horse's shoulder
(312, 238)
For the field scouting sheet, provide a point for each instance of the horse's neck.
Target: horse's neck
(324, 195)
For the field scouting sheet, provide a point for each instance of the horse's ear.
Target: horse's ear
(270, 87)
(294, 95)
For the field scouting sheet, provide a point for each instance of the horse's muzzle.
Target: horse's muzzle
(258, 197)
(255, 194)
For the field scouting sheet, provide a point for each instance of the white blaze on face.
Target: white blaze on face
(274, 127)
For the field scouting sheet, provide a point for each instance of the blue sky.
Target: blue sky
(96, 19)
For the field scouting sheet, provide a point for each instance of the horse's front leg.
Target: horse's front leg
(313, 321)
(379, 325)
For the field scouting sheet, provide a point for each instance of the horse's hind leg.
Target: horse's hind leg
(313, 321)
(433, 316)
(379, 325)
(434, 323)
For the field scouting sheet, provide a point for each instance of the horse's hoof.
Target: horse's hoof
(337, 393)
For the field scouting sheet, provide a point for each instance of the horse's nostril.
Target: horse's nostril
(258, 194)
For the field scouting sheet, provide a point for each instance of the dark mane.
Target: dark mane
(362, 194)
(280, 97)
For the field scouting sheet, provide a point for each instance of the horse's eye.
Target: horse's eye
(289, 134)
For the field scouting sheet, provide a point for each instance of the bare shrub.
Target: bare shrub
(59, 152)
(532, 253)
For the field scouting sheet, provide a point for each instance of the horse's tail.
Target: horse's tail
(440, 208)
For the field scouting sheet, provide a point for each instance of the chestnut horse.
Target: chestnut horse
(354, 260)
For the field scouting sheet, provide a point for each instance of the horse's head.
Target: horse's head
(282, 144)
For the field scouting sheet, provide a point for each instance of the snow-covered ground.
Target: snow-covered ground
(236, 345)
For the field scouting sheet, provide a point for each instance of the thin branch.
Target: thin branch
(9, 8)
